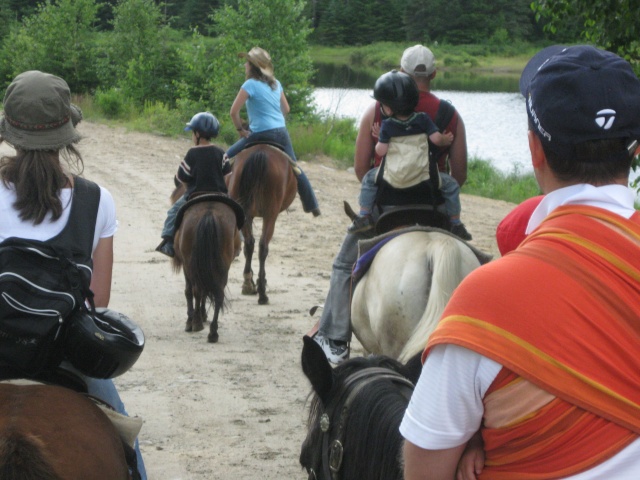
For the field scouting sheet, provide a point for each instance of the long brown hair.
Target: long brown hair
(256, 74)
(37, 177)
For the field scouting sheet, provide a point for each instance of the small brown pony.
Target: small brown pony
(53, 433)
(264, 183)
(206, 242)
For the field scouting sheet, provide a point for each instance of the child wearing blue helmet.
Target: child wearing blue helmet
(202, 170)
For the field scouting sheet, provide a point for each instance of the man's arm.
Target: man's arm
(421, 464)
(364, 143)
(458, 154)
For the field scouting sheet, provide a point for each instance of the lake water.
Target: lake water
(496, 123)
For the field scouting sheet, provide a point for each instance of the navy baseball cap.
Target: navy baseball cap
(580, 93)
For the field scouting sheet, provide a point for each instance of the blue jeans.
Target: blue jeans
(368, 190)
(448, 187)
(281, 137)
(106, 391)
(169, 229)
(451, 194)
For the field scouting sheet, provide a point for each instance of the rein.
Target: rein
(332, 450)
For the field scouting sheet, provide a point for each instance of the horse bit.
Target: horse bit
(333, 451)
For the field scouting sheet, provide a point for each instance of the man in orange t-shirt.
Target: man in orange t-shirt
(538, 349)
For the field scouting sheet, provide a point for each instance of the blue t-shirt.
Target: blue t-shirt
(263, 105)
(418, 122)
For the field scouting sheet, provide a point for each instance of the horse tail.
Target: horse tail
(209, 275)
(252, 183)
(24, 458)
(445, 260)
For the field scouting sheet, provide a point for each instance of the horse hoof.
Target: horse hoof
(249, 291)
(188, 327)
(212, 338)
(197, 327)
(263, 300)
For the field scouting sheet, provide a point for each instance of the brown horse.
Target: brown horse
(53, 433)
(206, 242)
(264, 183)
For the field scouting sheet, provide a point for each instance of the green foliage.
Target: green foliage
(486, 181)
(279, 27)
(332, 136)
(58, 39)
(612, 25)
(140, 57)
(112, 103)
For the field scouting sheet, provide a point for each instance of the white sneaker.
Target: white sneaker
(335, 351)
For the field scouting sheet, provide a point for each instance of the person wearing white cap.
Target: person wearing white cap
(418, 61)
(539, 348)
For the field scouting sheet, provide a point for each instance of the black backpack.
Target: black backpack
(43, 283)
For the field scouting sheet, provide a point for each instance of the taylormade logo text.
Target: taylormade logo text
(535, 119)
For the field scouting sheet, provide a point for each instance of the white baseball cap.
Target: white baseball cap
(416, 56)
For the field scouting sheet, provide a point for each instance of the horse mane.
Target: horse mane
(23, 457)
(445, 260)
(372, 441)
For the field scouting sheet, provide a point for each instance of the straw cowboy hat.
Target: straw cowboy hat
(260, 59)
(38, 114)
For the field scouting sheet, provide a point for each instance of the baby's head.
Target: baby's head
(397, 92)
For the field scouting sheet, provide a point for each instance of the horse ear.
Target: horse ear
(413, 368)
(317, 368)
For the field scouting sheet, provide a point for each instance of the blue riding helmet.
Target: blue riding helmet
(205, 123)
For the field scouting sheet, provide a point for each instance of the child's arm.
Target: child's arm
(472, 460)
(382, 148)
(441, 139)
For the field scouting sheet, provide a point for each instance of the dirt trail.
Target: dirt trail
(236, 409)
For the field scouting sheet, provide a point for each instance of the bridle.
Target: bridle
(332, 450)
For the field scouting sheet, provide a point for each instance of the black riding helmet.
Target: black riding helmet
(204, 123)
(398, 91)
(103, 346)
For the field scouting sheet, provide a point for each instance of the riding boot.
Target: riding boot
(166, 247)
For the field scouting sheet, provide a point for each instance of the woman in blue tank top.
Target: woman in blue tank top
(266, 107)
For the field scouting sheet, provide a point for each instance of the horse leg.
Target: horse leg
(248, 287)
(268, 228)
(188, 292)
(213, 328)
(263, 299)
(198, 323)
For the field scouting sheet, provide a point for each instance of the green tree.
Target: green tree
(138, 56)
(612, 24)
(58, 39)
(279, 27)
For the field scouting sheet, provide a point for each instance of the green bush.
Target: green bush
(112, 103)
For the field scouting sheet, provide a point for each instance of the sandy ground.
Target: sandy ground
(235, 409)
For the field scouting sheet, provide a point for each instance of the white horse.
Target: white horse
(399, 300)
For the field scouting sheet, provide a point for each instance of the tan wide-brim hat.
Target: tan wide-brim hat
(38, 114)
(259, 58)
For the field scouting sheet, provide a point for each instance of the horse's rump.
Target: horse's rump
(49, 432)
(399, 300)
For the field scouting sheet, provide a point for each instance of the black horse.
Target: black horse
(355, 414)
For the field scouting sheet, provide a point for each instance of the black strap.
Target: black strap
(80, 227)
(444, 114)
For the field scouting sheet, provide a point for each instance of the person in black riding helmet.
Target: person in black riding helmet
(202, 170)
(403, 139)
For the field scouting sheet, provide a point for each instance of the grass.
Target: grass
(484, 180)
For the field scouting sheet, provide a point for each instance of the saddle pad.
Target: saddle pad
(368, 248)
(212, 197)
